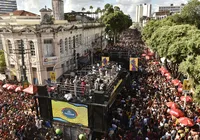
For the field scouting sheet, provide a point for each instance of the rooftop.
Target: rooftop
(20, 13)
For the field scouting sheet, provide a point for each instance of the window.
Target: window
(20, 44)
(48, 47)
(77, 43)
(70, 43)
(10, 47)
(80, 39)
(66, 45)
(61, 46)
(32, 47)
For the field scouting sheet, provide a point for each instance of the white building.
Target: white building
(171, 8)
(51, 45)
(143, 11)
(160, 15)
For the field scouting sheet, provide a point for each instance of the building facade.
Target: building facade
(7, 6)
(172, 9)
(50, 47)
(160, 15)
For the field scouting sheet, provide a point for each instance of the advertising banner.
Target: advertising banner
(133, 64)
(186, 85)
(53, 76)
(50, 60)
(70, 112)
(104, 60)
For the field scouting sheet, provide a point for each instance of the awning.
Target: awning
(31, 89)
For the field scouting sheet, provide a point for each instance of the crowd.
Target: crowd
(143, 112)
(18, 118)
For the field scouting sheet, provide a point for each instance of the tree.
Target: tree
(191, 13)
(98, 10)
(91, 10)
(83, 9)
(115, 20)
(2, 62)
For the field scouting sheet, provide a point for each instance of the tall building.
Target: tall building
(58, 9)
(171, 8)
(143, 10)
(7, 6)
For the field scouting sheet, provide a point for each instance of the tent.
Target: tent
(31, 89)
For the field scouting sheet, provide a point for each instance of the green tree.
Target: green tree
(191, 13)
(115, 20)
(2, 61)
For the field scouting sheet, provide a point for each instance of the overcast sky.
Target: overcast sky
(128, 6)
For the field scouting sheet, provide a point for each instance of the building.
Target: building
(143, 12)
(173, 9)
(7, 6)
(51, 45)
(160, 15)
(58, 9)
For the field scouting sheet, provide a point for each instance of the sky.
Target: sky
(127, 6)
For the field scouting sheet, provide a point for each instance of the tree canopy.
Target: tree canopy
(2, 61)
(115, 20)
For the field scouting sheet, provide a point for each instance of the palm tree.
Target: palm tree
(98, 10)
(83, 10)
(91, 8)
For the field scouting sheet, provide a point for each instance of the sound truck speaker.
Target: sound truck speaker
(42, 91)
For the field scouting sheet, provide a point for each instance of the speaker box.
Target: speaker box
(42, 91)
(45, 108)
(99, 97)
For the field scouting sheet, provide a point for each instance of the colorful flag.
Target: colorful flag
(105, 60)
(133, 64)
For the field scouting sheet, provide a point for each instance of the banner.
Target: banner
(186, 85)
(53, 76)
(70, 112)
(104, 60)
(133, 64)
(50, 60)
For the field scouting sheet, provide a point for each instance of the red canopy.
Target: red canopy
(160, 69)
(12, 87)
(167, 74)
(180, 89)
(150, 54)
(176, 113)
(143, 54)
(188, 98)
(6, 85)
(186, 121)
(156, 63)
(172, 105)
(176, 82)
(168, 77)
(31, 89)
(19, 89)
(147, 57)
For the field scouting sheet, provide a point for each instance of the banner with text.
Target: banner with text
(70, 112)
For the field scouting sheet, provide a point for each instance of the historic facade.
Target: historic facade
(49, 45)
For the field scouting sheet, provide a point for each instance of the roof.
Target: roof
(20, 13)
(45, 10)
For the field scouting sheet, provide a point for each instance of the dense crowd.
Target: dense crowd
(142, 112)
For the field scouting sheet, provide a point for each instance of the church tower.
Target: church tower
(58, 9)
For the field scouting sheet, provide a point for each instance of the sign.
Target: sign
(186, 85)
(70, 112)
(133, 64)
(105, 60)
(50, 60)
(25, 84)
(53, 76)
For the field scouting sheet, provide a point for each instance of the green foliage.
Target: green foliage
(2, 61)
(115, 20)
(191, 13)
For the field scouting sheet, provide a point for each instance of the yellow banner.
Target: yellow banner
(186, 85)
(133, 64)
(69, 112)
(53, 76)
(105, 60)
